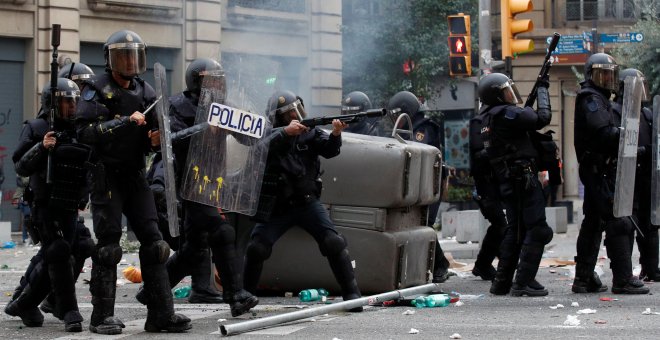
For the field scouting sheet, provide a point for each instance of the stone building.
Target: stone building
(263, 45)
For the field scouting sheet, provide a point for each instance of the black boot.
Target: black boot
(631, 286)
(73, 321)
(177, 269)
(648, 257)
(344, 274)
(506, 267)
(619, 251)
(440, 265)
(160, 315)
(48, 306)
(586, 279)
(490, 245)
(66, 305)
(525, 283)
(230, 271)
(103, 288)
(202, 289)
(25, 307)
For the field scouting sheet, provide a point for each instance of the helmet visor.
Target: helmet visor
(509, 93)
(129, 59)
(291, 111)
(345, 110)
(605, 76)
(646, 96)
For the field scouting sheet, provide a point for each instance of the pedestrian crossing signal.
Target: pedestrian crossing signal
(460, 60)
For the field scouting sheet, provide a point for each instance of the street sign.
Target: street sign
(613, 38)
(570, 44)
(580, 43)
(570, 58)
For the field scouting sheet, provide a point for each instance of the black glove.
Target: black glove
(544, 81)
(641, 151)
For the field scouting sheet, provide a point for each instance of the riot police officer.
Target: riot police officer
(487, 196)
(55, 206)
(78, 72)
(513, 159)
(206, 231)
(83, 244)
(291, 190)
(427, 131)
(647, 240)
(596, 145)
(110, 118)
(355, 102)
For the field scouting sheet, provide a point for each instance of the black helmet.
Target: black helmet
(355, 102)
(66, 88)
(282, 102)
(406, 102)
(497, 88)
(125, 53)
(76, 72)
(196, 71)
(602, 70)
(632, 72)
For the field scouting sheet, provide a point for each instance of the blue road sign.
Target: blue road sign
(570, 44)
(613, 38)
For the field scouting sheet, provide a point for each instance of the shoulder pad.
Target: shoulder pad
(511, 112)
(591, 104)
(88, 93)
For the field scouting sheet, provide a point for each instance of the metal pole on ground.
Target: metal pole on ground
(250, 325)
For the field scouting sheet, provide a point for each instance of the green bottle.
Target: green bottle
(182, 292)
(308, 295)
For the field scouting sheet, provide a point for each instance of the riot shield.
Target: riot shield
(655, 178)
(627, 160)
(162, 112)
(226, 161)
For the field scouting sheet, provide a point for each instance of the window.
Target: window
(583, 10)
(295, 6)
(579, 10)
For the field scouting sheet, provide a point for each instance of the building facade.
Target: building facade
(567, 17)
(263, 45)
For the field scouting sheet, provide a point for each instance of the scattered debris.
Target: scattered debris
(600, 322)
(575, 304)
(458, 303)
(288, 294)
(413, 331)
(571, 320)
(559, 305)
(586, 311)
(648, 312)
(408, 312)
(455, 336)
(608, 299)
(222, 320)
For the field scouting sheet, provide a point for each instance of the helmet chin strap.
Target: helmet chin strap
(126, 77)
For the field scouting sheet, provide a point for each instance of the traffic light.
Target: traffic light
(460, 60)
(511, 26)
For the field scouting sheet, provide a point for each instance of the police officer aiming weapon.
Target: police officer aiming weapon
(54, 106)
(543, 75)
(348, 118)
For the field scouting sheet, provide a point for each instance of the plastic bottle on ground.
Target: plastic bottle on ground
(308, 295)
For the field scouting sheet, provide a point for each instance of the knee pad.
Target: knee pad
(332, 244)
(223, 234)
(193, 254)
(109, 255)
(85, 248)
(540, 234)
(58, 251)
(618, 226)
(155, 253)
(259, 250)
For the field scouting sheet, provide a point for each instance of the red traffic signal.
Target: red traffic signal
(460, 61)
(458, 45)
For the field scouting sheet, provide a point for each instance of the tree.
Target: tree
(644, 55)
(379, 36)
